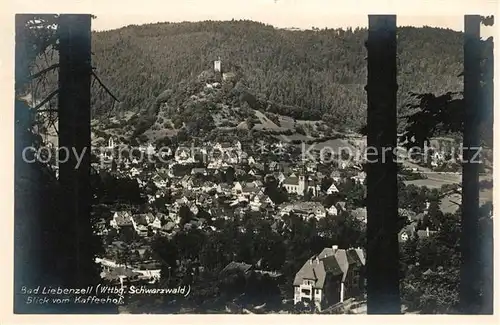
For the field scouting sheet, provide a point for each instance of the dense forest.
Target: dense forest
(321, 71)
(314, 74)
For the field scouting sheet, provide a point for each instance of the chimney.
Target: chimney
(334, 248)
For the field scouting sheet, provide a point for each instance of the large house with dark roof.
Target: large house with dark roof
(330, 277)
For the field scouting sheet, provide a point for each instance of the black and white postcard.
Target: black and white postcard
(251, 157)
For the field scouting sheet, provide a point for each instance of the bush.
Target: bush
(300, 130)
(143, 138)
(228, 124)
(178, 123)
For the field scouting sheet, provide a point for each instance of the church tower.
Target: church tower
(302, 185)
(111, 143)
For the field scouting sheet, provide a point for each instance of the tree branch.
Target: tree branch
(48, 110)
(105, 88)
(48, 98)
(39, 73)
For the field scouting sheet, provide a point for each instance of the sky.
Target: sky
(303, 14)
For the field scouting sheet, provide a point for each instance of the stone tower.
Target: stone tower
(218, 66)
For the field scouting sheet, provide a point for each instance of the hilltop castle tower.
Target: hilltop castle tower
(218, 69)
(218, 66)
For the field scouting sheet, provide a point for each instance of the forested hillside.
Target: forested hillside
(320, 72)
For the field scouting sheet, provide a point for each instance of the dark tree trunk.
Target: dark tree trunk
(74, 175)
(470, 296)
(487, 244)
(74, 134)
(382, 202)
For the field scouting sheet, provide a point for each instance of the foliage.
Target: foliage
(264, 243)
(413, 198)
(432, 115)
(431, 267)
(431, 271)
(35, 35)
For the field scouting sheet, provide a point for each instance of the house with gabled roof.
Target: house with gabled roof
(194, 209)
(360, 214)
(199, 171)
(332, 189)
(341, 206)
(237, 188)
(121, 219)
(254, 172)
(140, 222)
(208, 186)
(410, 230)
(203, 199)
(311, 167)
(223, 188)
(359, 178)
(280, 177)
(251, 160)
(236, 267)
(274, 166)
(159, 181)
(134, 171)
(168, 227)
(330, 277)
(332, 210)
(196, 184)
(307, 210)
(258, 183)
(183, 155)
(186, 181)
(158, 221)
(335, 175)
(250, 189)
(259, 200)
